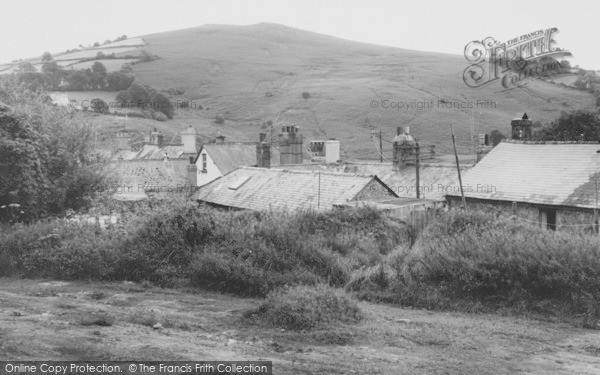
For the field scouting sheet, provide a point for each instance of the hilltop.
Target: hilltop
(232, 70)
(253, 74)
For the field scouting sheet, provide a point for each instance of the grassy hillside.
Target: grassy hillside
(231, 70)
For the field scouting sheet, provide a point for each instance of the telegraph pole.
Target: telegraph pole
(380, 148)
(417, 165)
(462, 193)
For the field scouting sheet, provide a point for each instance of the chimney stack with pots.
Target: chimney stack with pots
(290, 145)
(521, 128)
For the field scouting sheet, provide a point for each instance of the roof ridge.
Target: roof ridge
(518, 141)
(310, 171)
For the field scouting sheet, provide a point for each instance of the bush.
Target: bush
(43, 150)
(161, 103)
(219, 119)
(305, 95)
(472, 259)
(304, 307)
(99, 105)
(159, 116)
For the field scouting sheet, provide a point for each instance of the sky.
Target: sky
(33, 27)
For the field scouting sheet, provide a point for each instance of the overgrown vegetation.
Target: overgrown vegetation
(245, 253)
(48, 155)
(469, 261)
(474, 261)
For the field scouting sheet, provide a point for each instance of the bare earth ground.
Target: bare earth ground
(55, 321)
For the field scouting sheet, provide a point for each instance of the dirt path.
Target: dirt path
(49, 320)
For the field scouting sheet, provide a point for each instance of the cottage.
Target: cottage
(263, 189)
(218, 159)
(552, 184)
(156, 167)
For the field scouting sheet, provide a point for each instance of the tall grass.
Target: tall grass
(242, 252)
(469, 260)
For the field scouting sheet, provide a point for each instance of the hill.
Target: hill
(252, 74)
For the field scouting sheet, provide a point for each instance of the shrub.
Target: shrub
(99, 105)
(305, 95)
(161, 103)
(219, 119)
(304, 307)
(121, 80)
(159, 116)
(43, 150)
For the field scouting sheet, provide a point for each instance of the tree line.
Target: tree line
(54, 77)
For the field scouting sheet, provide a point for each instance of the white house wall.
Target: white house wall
(212, 172)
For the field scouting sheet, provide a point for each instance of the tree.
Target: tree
(496, 137)
(77, 80)
(46, 57)
(118, 81)
(50, 67)
(99, 105)
(127, 68)
(147, 57)
(123, 99)
(98, 75)
(572, 126)
(43, 151)
(161, 104)
(25, 67)
(141, 94)
(96, 44)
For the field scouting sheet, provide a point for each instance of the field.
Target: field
(115, 47)
(131, 46)
(36, 317)
(251, 74)
(111, 65)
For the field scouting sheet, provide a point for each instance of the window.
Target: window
(204, 163)
(547, 219)
(238, 184)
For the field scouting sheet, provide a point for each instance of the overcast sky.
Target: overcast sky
(31, 27)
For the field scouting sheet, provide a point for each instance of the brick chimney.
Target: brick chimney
(156, 138)
(290, 145)
(192, 173)
(403, 148)
(263, 152)
(521, 128)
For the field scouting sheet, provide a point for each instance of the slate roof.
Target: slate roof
(557, 173)
(156, 175)
(264, 189)
(153, 152)
(230, 156)
(436, 180)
